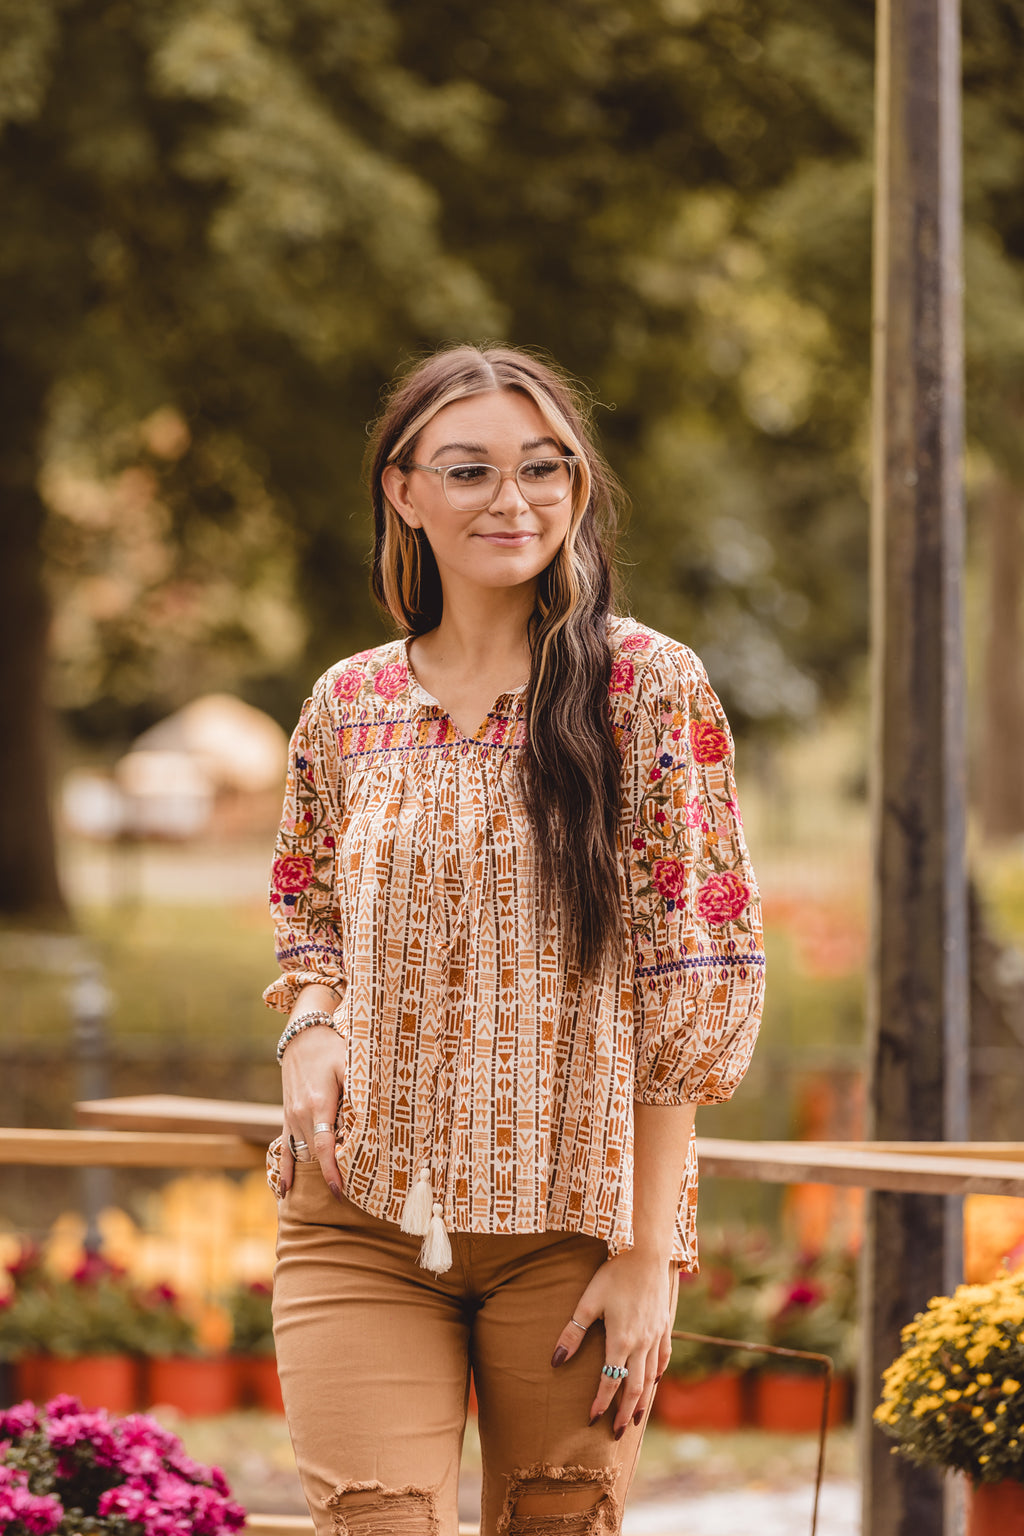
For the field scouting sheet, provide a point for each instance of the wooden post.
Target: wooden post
(917, 1005)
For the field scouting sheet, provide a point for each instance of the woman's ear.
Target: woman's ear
(396, 489)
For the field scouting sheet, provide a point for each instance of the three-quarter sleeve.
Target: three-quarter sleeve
(303, 888)
(698, 980)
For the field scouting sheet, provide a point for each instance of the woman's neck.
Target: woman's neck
(485, 634)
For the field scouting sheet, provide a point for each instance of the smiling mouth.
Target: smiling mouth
(506, 538)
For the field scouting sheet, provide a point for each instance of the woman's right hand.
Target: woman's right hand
(313, 1083)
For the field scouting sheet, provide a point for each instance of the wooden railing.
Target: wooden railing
(169, 1131)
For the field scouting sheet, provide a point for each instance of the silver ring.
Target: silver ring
(324, 1125)
(616, 1372)
(578, 1325)
(296, 1146)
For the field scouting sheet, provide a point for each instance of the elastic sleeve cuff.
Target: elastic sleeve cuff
(282, 993)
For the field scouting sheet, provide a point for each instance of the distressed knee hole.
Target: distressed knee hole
(559, 1501)
(369, 1509)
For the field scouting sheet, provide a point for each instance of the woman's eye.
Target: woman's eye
(541, 469)
(468, 474)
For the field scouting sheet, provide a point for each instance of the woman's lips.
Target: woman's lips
(513, 540)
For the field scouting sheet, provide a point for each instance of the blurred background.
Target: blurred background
(225, 223)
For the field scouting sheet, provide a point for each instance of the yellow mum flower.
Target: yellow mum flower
(977, 1411)
(984, 1379)
(952, 1395)
(983, 1459)
(1010, 1386)
(989, 1427)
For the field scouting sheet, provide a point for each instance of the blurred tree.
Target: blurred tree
(226, 220)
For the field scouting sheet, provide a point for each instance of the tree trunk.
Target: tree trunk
(30, 893)
(1001, 759)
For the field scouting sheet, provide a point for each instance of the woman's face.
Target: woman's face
(510, 542)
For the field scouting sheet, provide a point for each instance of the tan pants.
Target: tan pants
(374, 1355)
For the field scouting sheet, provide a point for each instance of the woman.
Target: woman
(520, 942)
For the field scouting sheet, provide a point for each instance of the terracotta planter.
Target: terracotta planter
(100, 1381)
(198, 1386)
(791, 1403)
(258, 1382)
(995, 1509)
(31, 1375)
(712, 1402)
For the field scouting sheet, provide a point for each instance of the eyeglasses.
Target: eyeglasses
(473, 487)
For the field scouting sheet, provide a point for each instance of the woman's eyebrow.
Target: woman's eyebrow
(459, 448)
(481, 452)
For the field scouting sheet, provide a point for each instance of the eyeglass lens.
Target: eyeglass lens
(542, 482)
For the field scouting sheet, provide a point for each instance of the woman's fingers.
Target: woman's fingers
(287, 1163)
(323, 1147)
(610, 1386)
(574, 1332)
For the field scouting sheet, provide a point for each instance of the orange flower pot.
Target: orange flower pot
(791, 1403)
(712, 1402)
(995, 1509)
(100, 1381)
(31, 1374)
(198, 1386)
(259, 1383)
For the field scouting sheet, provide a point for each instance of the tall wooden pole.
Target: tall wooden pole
(917, 1007)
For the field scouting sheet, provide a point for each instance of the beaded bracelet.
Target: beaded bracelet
(304, 1021)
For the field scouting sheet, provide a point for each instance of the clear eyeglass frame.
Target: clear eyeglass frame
(444, 470)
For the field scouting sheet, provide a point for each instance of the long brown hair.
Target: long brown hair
(571, 768)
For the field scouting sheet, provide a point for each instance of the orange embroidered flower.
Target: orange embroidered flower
(709, 742)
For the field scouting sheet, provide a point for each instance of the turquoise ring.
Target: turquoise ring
(616, 1372)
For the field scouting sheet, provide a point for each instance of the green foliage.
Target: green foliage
(252, 1327)
(227, 220)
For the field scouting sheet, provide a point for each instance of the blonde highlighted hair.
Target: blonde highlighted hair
(570, 770)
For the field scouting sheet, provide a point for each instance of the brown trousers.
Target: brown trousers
(374, 1355)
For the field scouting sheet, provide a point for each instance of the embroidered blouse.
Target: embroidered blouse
(404, 877)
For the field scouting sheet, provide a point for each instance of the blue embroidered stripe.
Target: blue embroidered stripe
(698, 962)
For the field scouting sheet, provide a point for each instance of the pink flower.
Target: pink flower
(669, 876)
(391, 680)
(292, 874)
(635, 643)
(709, 742)
(348, 684)
(694, 814)
(722, 898)
(622, 676)
(638, 842)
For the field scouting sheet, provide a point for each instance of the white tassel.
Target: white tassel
(436, 1253)
(416, 1211)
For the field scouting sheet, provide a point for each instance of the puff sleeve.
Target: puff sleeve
(698, 979)
(303, 887)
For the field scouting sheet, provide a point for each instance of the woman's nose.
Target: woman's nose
(509, 499)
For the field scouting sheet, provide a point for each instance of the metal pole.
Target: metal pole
(917, 1002)
(90, 1008)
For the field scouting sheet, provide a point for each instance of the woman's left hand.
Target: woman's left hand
(635, 1295)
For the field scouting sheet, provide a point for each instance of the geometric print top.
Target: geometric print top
(404, 876)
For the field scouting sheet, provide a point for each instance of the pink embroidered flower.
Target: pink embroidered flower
(694, 814)
(722, 898)
(635, 643)
(731, 805)
(291, 874)
(622, 676)
(639, 843)
(348, 684)
(710, 743)
(391, 679)
(669, 876)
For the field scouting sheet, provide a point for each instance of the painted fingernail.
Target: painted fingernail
(658, 1378)
(620, 1432)
(638, 1416)
(335, 1191)
(560, 1355)
(593, 1420)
